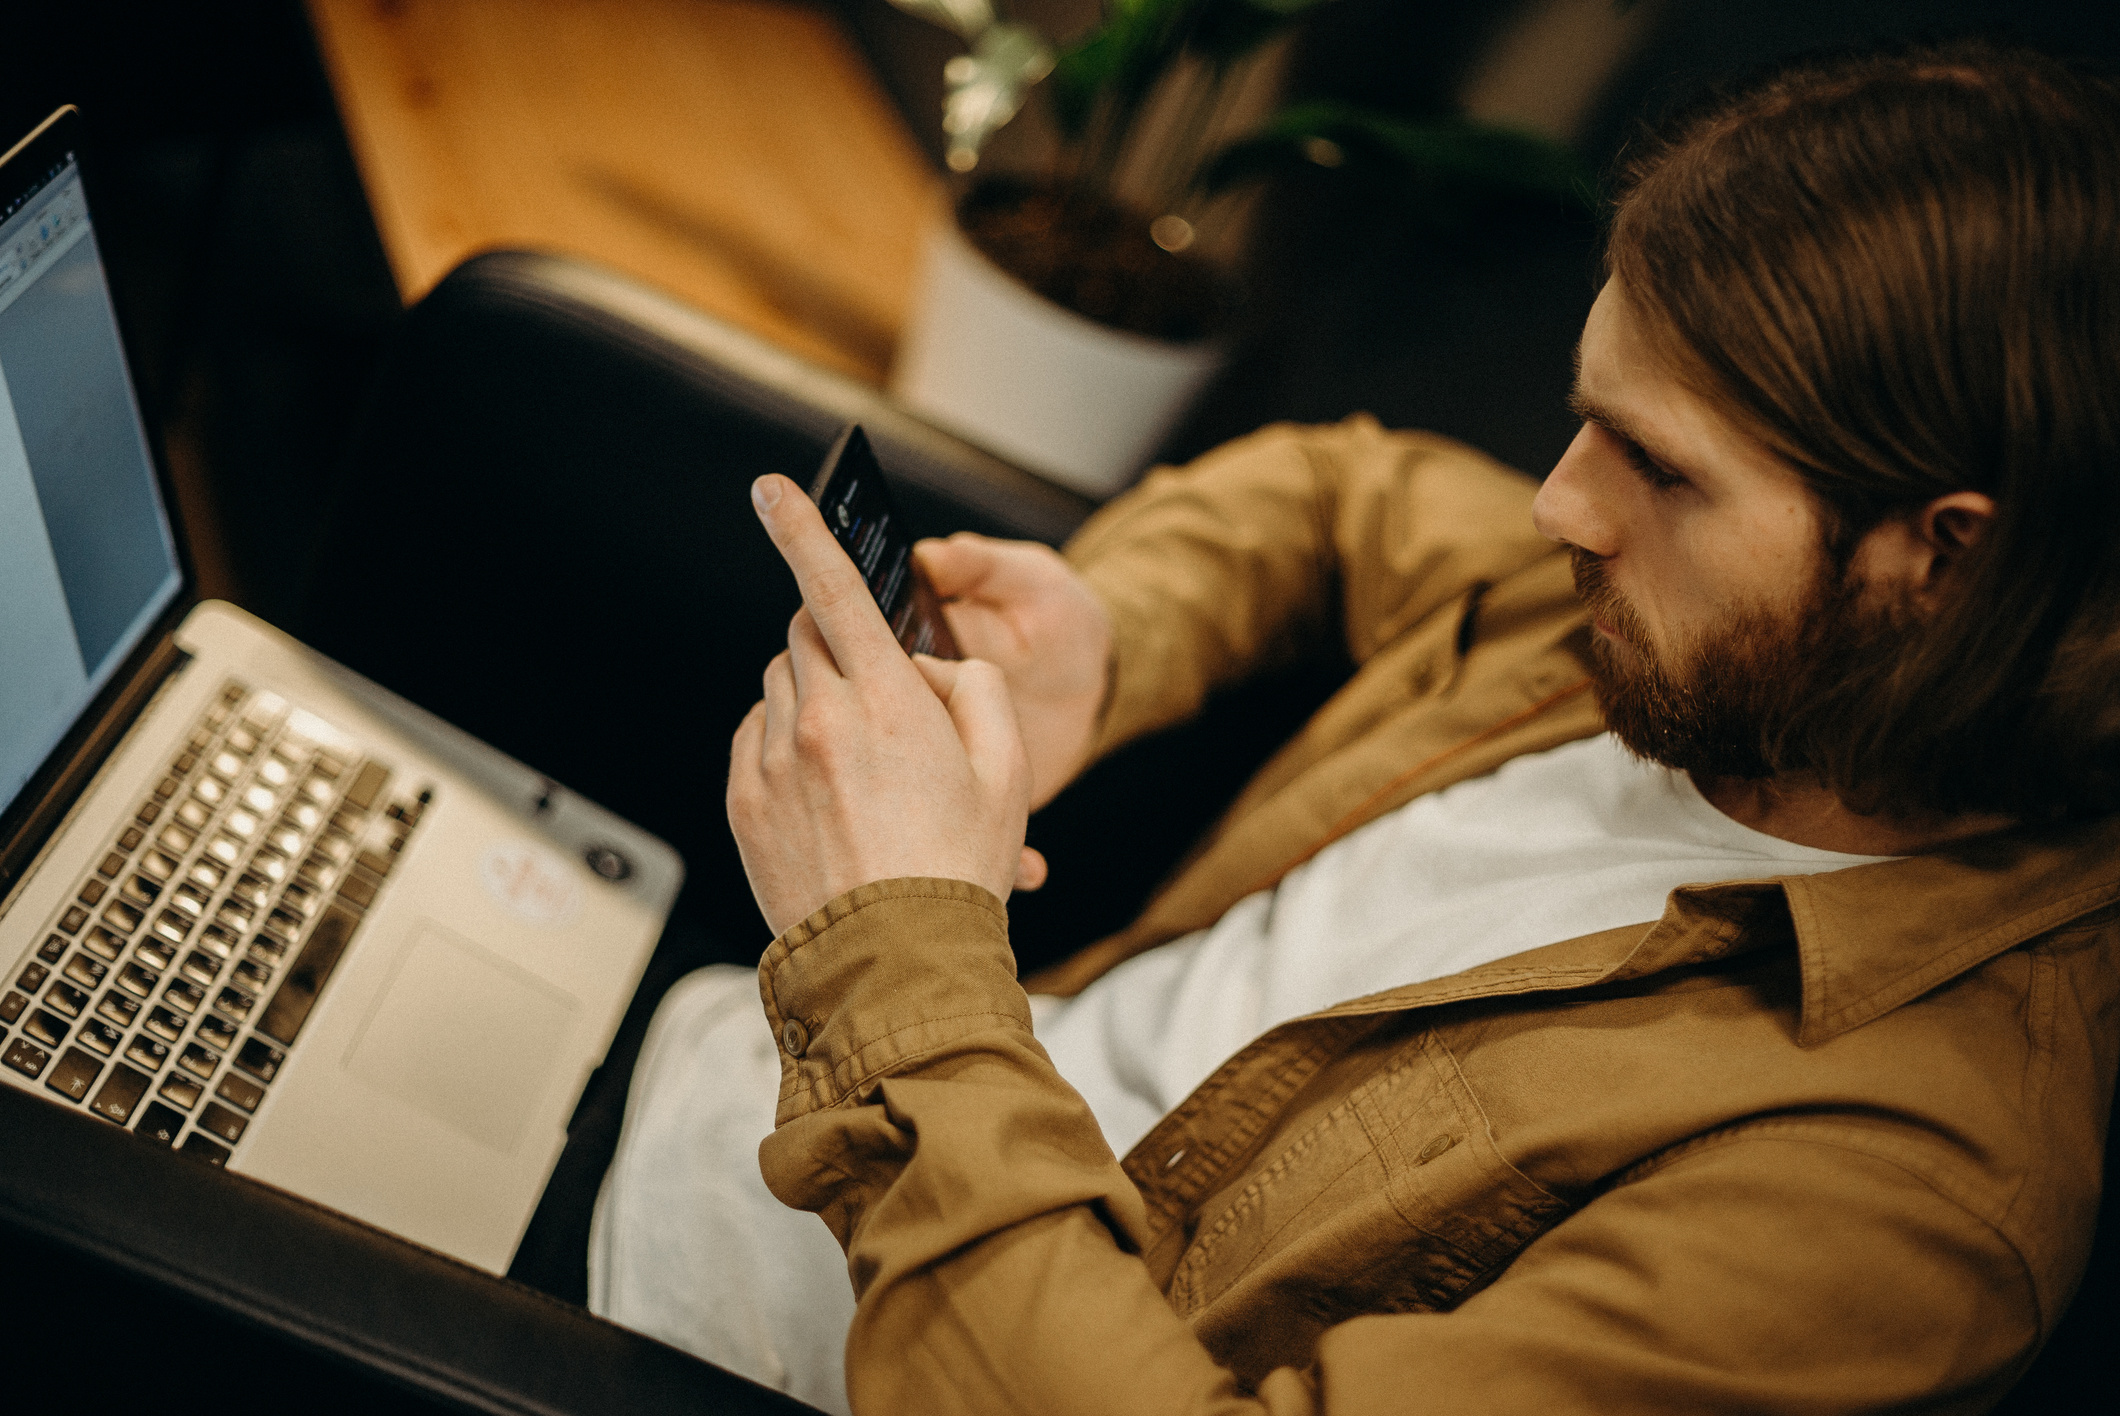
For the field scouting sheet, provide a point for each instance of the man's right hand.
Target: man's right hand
(1020, 607)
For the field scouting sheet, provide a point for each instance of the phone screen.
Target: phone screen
(849, 490)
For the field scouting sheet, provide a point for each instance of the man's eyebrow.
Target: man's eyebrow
(1583, 406)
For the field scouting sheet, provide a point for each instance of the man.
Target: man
(1754, 1055)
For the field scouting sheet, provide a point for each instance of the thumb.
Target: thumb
(956, 567)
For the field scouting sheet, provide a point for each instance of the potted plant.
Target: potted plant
(1065, 317)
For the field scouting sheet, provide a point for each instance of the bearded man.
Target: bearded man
(1678, 971)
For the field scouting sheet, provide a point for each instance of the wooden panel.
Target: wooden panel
(737, 154)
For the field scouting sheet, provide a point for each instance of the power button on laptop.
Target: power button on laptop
(608, 863)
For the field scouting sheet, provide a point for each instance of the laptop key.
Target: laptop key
(194, 814)
(85, 971)
(149, 810)
(218, 940)
(184, 994)
(260, 1059)
(103, 944)
(222, 1122)
(72, 920)
(100, 1036)
(165, 1024)
(118, 1008)
(253, 974)
(159, 1124)
(75, 1073)
(33, 978)
(367, 785)
(173, 926)
(121, 1092)
(239, 1090)
(179, 1091)
(26, 1057)
(155, 952)
(199, 1147)
(92, 892)
(53, 946)
(167, 788)
(121, 917)
(201, 968)
(216, 1033)
(11, 1007)
(66, 998)
(312, 967)
(46, 1028)
(112, 864)
(131, 838)
(149, 1053)
(357, 890)
(198, 1061)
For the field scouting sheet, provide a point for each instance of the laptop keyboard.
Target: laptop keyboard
(166, 994)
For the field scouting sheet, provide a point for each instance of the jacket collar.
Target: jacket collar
(1868, 938)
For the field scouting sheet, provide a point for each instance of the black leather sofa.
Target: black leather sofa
(515, 547)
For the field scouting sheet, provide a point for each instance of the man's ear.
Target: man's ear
(1919, 551)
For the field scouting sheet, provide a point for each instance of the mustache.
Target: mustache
(1593, 586)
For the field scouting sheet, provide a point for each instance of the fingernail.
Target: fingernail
(765, 493)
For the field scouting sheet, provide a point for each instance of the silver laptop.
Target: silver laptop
(252, 907)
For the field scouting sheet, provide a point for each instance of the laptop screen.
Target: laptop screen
(87, 556)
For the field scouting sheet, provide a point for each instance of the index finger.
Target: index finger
(838, 598)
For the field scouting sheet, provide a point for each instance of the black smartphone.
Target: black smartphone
(850, 491)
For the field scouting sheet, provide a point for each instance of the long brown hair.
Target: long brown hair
(1901, 271)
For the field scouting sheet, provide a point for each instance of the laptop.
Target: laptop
(253, 908)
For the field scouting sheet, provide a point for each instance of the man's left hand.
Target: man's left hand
(860, 764)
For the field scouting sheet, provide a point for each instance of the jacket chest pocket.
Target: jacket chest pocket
(1395, 1200)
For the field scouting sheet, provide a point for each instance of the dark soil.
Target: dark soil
(1094, 257)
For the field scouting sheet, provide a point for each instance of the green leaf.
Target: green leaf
(1225, 31)
(1437, 164)
(1121, 59)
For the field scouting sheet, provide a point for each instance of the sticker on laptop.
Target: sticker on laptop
(532, 884)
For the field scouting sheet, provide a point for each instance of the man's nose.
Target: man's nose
(1567, 507)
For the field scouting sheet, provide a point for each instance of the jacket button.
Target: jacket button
(794, 1037)
(1435, 1148)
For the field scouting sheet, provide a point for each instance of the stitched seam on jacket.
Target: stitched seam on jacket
(1946, 966)
(1780, 1129)
(824, 1084)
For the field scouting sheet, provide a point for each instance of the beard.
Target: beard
(1743, 697)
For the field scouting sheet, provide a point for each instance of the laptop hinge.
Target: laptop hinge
(84, 759)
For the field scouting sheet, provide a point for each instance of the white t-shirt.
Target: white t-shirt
(1550, 846)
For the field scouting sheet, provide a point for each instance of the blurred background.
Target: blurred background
(258, 293)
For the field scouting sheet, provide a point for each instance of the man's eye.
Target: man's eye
(1651, 472)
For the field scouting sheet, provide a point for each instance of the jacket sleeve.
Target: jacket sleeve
(1252, 555)
(993, 1239)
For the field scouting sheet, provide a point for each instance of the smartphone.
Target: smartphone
(849, 490)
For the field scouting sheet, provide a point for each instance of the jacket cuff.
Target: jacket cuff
(881, 976)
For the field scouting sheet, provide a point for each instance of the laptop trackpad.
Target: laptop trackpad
(464, 1035)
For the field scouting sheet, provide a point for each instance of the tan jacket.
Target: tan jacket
(1827, 1143)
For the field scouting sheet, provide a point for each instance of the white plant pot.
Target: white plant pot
(1002, 366)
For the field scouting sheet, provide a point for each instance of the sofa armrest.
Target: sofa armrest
(270, 1268)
